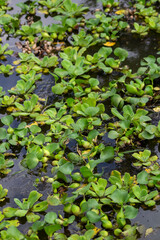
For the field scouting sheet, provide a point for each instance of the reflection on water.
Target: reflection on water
(138, 49)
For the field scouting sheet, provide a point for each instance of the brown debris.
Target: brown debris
(40, 48)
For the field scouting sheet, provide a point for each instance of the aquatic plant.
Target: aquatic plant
(60, 139)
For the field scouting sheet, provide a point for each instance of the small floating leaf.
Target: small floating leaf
(156, 109)
(121, 11)
(109, 44)
(148, 231)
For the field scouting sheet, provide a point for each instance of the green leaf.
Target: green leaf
(38, 225)
(35, 129)
(19, 203)
(52, 147)
(107, 154)
(93, 217)
(39, 139)
(130, 212)
(142, 177)
(66, 168)
(86, 172)
(31, 160)
(37, 25)
(82, 190)
(128, 112)
(31, 217)
(92, 134)
(151, 129)
(50, 217)
(81, 124)
(152, 195)
(92, 203)
(3, 133)
(14, 233)
(33, 197)
(113, 134)
(150, 59)
(75, 158)
(102, 183)
(91, 111)
(104, 52)
(132, 89)
(125, 124)
(117, 114)
(119, 196)
(105, 116)
(53, 200)
(112, 63)
(147, 135)
(58, 88)
(104, 68)
(150, 203)
(3, 192)
(3, 147)
(137, 191)
(9, 212)
(21, 213)
(40, 207)
(110, 190)
(115, 178)
(67, 64)
(52, 229)
(93, 82)
(71, 219)
(117, 101)
(121, 53)
(7, 120)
